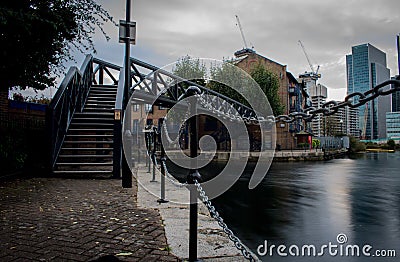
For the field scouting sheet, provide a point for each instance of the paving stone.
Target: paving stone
(58, 219)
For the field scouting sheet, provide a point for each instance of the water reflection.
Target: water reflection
(312, 202)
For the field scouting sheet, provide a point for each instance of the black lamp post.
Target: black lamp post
(128, 37)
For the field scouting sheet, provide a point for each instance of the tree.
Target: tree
(38, 35)
(269, 83)
(226, 79)
(391, 144)
(191, 69)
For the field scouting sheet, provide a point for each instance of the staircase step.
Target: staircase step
(96, 109)
(86, 114)
(88, 142)
(94, 101)
(91, 124)
(84, 164)
(103, 86)
(89, 172)
(89, 136)
(103, 90)
(101, 106)
(80, 119)
(85, 156)
(87, 148)
(90, 130)
(107, 98)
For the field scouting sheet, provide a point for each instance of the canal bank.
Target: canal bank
(213, 243)
(285, 155)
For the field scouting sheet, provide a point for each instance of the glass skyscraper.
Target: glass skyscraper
(366, 67)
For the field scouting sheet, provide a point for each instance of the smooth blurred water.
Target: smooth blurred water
(312, 202)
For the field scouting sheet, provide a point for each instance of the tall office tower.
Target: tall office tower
(366, 67)
(318, 94)
(395, 100)
(396, 95)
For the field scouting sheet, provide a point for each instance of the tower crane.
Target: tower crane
(246, 49)
(241, 31)
(314, 73)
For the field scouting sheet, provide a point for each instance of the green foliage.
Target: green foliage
(191, 69)
(227, 78)
(391, 144)
(356, 145)
(316, 143)
(269, 83)
(13, 151)
(303, 145)
(37, 36)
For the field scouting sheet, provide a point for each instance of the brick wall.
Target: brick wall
(285, 139)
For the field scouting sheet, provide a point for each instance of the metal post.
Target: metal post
(148, 153)
(193, 173)
(163, 159)
(101, 75)
(153, 155)
(126, 172)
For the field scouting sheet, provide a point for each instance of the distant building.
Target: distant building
(366, 67)
(318, 94)
(393, 125)
(289, 92)
(395, 100)
(352, 125)
(344, 122)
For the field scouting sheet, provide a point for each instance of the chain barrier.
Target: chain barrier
(181, 128)
(214, 214)
(353, 100)
(171, 178)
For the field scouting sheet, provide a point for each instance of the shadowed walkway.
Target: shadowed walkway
(49, 219)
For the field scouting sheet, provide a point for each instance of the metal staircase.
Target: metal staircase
(88, 144)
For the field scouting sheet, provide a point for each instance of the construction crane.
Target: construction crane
(314, 73)
(246, 49)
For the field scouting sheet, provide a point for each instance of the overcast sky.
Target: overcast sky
(170, 29)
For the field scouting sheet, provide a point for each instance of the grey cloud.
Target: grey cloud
(167, 30)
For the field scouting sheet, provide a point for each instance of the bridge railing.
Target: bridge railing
(150, 81)
(71, 97)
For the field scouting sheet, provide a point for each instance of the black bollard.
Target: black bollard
(163, 159)
(153, 154)
(193, 173)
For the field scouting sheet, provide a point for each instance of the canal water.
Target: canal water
(314, 203)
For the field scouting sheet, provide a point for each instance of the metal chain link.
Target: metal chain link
(171, 178)
(182, 126)
(353, 100)
(214, 214)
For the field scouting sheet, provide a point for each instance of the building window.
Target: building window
(135, 107)
(148, 108)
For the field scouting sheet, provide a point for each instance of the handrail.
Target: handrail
(118, 111)
(70, 96)
(244, 110)
(120, 90)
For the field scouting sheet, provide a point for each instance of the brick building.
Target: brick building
(289, 88)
